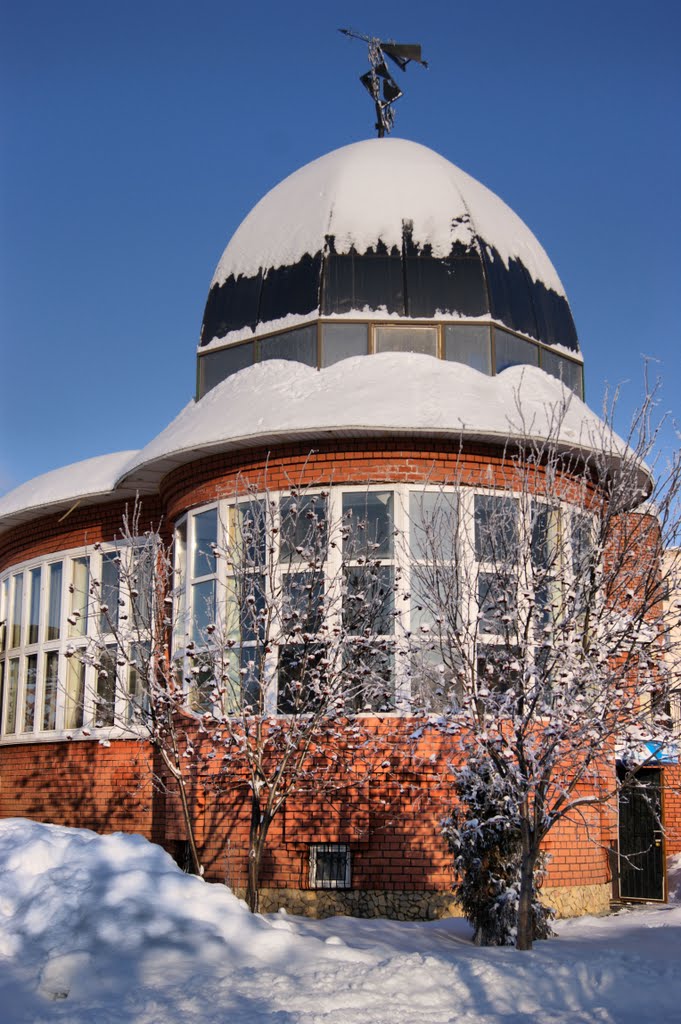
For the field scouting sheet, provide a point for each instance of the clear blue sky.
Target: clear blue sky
(137, 135)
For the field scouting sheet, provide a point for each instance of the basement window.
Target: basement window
(330, 866)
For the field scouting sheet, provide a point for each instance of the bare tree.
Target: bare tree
(254, 657)
(544, 643)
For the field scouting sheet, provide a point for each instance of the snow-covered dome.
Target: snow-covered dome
(384, 226)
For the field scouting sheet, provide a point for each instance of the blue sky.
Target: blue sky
(137, 135)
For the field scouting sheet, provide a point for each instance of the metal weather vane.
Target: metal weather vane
(378, 81)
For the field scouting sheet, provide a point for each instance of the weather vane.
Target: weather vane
(378, 81)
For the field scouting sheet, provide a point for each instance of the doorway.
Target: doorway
(641, 841)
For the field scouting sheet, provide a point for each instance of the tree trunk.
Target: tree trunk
(525, 933)
(260, 823)
(176, 772)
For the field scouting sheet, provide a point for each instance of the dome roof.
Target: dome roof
(385, 226)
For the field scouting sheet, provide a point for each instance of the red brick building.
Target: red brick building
(379, 327)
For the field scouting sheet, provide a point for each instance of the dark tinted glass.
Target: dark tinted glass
(452, 285)
(352, 282)
(293, 289)
(554, 319)
(231, 306)
(216, 366)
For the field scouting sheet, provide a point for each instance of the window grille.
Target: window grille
(330, 866)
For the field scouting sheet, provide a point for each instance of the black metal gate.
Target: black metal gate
(641, 842)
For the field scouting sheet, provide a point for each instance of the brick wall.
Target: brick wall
(82, 784)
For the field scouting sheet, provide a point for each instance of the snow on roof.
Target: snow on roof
(363, 192)
(91, 479)
(391, 393)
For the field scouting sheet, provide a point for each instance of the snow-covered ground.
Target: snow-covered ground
(104, 929)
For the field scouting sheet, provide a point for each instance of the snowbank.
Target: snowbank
(106, 930)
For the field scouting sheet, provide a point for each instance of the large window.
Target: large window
(55, 610)
(395, 595)
(322, 343)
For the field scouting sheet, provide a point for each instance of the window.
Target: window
(330, 866)
(299, 346)
(341, 341)
(434, 586)
(469, 344)
(510, 350)
(58, 610)
(203, 564)
(406, 339)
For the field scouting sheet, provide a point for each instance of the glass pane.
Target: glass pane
(50, 690)
(302, 602)
(497, 597)
(12, 696)
(290, 289)
(424, 604)
(203, 610)
(353, 283)
(369, 682)
(4, 615)
(205, 540)
(469, 344)
(513, 351)
(138, 682)
(180, 580)
(451, 285)
(341, 341)
(303, 529)
(433, 686)
(217, 366)
(369, 600)
(33, 606)
(30, 691)
(75, 693)
(368, 524)
(299, 346)
(301, 678)
(108, 617)
(570, 372)
(2, 689)
(497, 666)
(433, 525)
(249, 532)
(496, 529)
(142, 585)
(105, 700)
(245, 696)
(17, 610)
(80, 585)
(582, 536)
(406, 339)
(252, 607)
(54, 601)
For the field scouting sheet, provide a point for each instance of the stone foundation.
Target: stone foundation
(577, 900)
(399, 905)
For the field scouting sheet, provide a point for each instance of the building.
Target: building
(379, 326)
